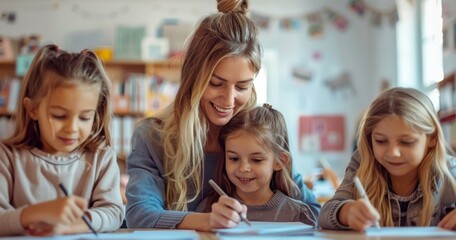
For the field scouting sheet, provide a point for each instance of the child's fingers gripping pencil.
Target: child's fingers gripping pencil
(363, 195)
(84, 217)
(222, 193)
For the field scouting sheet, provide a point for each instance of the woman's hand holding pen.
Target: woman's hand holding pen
(60, 216)
(449, 221)
(358, 215)
(226, 213)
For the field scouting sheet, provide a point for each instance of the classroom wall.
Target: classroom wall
(364, 51)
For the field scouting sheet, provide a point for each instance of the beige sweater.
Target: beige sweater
(31, 176)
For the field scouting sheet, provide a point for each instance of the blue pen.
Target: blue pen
(84, 217)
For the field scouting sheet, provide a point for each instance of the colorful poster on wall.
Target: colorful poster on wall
(321, 133)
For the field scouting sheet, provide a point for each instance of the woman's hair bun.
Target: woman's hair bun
(226, 6)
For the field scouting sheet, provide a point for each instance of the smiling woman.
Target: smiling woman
(227, 90)
(174, 154)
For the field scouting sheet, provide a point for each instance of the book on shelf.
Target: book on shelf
(446, 98)
(116, 134)
(9, 94)
(449, 132)
(143, 94)
(121, 132)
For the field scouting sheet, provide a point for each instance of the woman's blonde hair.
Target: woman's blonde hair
(51, 68)
(229, 33)
(415, 108)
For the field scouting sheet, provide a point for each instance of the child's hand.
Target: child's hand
(52, 214)
(225, 213)
(358, 215)
(44, 229)
(449, 221)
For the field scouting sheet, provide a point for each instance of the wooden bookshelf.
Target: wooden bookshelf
(7, 69)
(447, 112)
(118, 72)
(447, 91)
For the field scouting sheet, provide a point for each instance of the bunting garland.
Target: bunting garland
(362, 7)
(316, 20)
(88, 13)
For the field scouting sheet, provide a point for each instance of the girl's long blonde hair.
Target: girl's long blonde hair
(51, 68)
(229, 33)
(418, 111)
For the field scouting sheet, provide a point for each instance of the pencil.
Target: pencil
(222, 193)
(324, 163)
(363, 195)
(84, 217)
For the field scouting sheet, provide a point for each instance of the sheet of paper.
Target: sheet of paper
(137, 235)
(410, 232)
(268, 228)
(266, 237)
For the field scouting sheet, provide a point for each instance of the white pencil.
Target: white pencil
(363, 194)
(222, 193)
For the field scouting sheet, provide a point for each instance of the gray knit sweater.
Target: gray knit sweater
(280, 208)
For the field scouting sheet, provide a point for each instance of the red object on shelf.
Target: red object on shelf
(447, 116)
(322, 133)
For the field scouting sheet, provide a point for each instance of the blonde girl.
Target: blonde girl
(403, 164)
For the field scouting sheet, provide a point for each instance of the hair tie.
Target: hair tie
(55, 48)
(85, 52)
(267, 105)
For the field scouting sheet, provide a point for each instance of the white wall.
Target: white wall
(368, 53)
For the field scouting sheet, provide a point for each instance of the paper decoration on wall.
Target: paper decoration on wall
(316, 56)
(8, 17)
(316, 21)
(302, 73)
(315, 28)
(341, 84)
(361, 7)
(321, 133)
(336, 19)
(97, 14)
(289, 23)
(127, 42)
